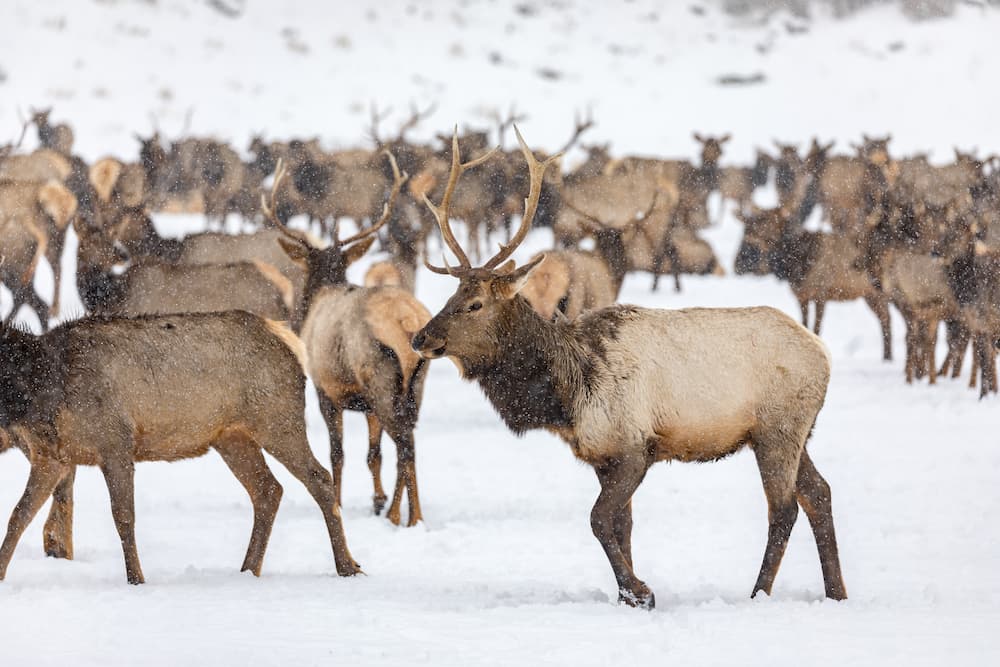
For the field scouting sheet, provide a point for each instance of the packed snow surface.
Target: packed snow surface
(505, 570)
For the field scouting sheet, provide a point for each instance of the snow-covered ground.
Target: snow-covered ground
(504, 569)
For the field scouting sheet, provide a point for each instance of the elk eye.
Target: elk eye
(476, 305)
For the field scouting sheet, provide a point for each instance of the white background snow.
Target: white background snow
(504, 569)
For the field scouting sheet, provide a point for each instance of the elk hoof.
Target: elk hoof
(57, 549)
(378, 504)
(350, 570)
(393, 515)
(641, 598)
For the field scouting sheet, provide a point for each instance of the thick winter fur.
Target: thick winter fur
(112, 392)
(151, 287)
(626, 387)
(36, 167)
(22, 245)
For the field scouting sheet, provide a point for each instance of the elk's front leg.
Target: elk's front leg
(45, 474)
(619, 479)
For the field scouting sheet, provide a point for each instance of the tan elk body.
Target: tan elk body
(626, 387)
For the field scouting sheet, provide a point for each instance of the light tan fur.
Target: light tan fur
(103, 175)
(283, 284)
(582, 279)
(58, 202)
(285, 334)
(393, 315)
(42, 165)
(383, 274)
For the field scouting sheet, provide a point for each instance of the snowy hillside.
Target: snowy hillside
(505, 570)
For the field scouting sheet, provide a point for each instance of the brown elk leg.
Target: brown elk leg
(623, 531)
(820, 307)
(975, 363)
(375, 462)
(45, 474)
(804, 309)
(57, 537)
(248, 465)
(334, 418)
(911, 348)
(619, 480)
(930, 365)
(880, 306)
(813, 494)
(778, 463)
(119, 475)
(292, 451)
(53, 253)
(406, 480)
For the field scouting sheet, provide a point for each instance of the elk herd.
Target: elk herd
(204, 342)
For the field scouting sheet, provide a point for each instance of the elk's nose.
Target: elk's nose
(418, 341)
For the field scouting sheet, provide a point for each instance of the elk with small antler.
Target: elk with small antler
(55, 137)
(358, 346)
(626, 387)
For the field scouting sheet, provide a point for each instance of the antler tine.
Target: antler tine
(416, 115)
(376, 119)
(441, 212)
(582, 125)
(397, 184)
(536, 170)
(267, 204)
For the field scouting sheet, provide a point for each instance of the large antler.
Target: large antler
(416, 115)
(397, 183)
(582, 125)
(536, 170)
(441, 212)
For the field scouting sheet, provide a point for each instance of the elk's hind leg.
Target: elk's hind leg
(244, 458)
(778, 450)
(619, 479)
(119, 475)
(57, 537)
(286, 441)
(813, 494)
(375, 462)
(334, 418)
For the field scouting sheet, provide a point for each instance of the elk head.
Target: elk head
(711, 148)
(874, 149)
(326, 266)
(466, 327)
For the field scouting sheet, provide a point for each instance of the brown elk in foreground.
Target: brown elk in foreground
(626, 387)
(358, 346)
(112, 392)
(572, 281)
(55, 137)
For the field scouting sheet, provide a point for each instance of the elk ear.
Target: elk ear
(508, 285)
(296, 251)
(358, 250)
(697, 137)
(726, 137)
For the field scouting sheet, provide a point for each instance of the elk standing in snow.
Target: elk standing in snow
(111, 392)
(358, 345)
(626, 387)
(55, 137)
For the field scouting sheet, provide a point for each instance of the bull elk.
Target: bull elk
(626, 387)
(358, 345)
(112, 392)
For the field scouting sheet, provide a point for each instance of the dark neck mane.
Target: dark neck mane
(536, 372)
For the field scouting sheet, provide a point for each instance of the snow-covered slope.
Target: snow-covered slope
(505, 569)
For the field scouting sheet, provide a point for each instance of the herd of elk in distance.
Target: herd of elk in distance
(545, 341)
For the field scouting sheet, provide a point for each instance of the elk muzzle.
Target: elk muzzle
(428, 345)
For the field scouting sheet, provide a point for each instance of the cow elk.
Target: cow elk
(111, 392)
(54, 137)
(626, 387)
(357, 341)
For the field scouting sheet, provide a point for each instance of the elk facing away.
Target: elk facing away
(358, 344)
(626, 387)
(111, 392)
